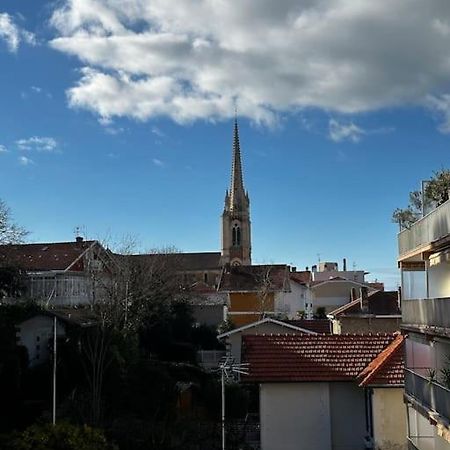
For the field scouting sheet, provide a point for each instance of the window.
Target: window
(205, 277)
(236, 234)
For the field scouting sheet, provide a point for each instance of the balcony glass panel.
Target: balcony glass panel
(428, 393)
(432, 227)
(433, 312)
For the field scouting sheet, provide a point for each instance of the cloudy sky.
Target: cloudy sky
(116, 117)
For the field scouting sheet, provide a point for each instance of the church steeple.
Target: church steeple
(236, 241)
(237, 193)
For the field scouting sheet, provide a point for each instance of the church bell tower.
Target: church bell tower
(236, 240)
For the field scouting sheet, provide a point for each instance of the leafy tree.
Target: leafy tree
(12, 281)
(62, 436)
(435, 193)
(10, 232)
(438, 187)
(320, 313)
(404, 217)
(13, 364)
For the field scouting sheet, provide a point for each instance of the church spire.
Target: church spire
(236, 239)
(237, 193)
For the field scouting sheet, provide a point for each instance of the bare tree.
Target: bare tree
(265, 293)
(138, 288)
(10, 232)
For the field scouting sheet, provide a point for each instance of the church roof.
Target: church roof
(186, 261)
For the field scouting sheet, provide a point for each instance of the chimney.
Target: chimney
(79, 239)
(293, 269)
(353, 294)
(364, 300)
(344, 265)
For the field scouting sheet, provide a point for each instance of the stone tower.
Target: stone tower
(236, 240)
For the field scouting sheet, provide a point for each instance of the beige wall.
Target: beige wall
(312, 416)
(365, 325)
(295, 416)
(389, 419)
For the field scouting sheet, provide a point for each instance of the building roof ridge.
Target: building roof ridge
(381, 360)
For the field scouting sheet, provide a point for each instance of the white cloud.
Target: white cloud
(38, 143)
(155, 130)
(12, 34)
(3, 149)
(158, 162)
(339, 131)
(24, 161)
(113, 131)
(193, 59)
(440, 105)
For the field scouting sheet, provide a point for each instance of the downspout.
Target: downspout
(368, 440)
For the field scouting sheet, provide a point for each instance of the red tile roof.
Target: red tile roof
(387, 369)
(320, 357)
(316, 325)
(46, 256)
(380, 303)
(253, 278)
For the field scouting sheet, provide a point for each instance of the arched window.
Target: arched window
(236, 235)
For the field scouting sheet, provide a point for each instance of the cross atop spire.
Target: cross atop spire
(237, 193)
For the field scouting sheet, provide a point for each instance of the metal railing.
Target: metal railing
(430, 228)
(428, 393)
(433, 312)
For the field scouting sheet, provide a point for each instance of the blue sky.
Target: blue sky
(117, 117)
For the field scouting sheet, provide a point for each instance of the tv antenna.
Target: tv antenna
(228, 369)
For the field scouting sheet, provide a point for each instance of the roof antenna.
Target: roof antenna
(78, 234)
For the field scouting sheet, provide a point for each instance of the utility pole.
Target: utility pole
(228, 367)
(54, 371)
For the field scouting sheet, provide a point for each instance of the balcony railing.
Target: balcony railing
(429, 312)
(430, 228)
(428, 393)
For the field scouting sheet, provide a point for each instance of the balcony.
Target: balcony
(431, 228)
(433, 313)
(428, 394)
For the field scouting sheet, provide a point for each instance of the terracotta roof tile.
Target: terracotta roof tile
(45, 256)
(387, 369)
(283, 358)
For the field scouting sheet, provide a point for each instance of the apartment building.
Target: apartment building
(424, 261)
